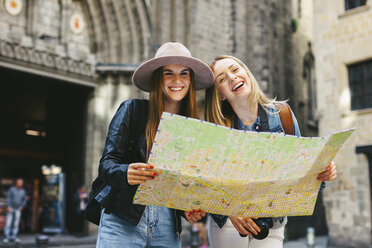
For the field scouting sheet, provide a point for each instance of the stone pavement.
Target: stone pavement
(68, 240)
(320, 242)
(58, 240)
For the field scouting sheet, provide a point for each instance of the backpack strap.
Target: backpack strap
(285, 117)
(264, 121)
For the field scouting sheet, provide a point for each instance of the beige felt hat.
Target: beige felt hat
(173, 53)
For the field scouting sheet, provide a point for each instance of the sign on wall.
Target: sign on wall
(13, 7)
(76, 23)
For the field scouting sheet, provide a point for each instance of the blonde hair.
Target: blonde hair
(221, 112)
(156, 105)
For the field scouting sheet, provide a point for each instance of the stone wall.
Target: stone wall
(9, 23)
(343, 38)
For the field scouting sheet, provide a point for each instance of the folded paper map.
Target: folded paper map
(226, 171)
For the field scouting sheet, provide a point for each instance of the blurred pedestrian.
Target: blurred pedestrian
(201, 226)
(16, 201)
(80, 201)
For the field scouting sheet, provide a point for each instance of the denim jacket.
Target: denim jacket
(275, 126)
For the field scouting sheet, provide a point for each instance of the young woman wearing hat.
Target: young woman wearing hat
(235, 100)
(171, 77)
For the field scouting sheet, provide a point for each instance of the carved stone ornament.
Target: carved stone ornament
(13, 7)
(52, 60)
(77, 23)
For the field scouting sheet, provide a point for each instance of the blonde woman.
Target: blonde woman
(171, 77)
(235, 100)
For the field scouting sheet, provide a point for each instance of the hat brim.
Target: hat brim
(203, 74)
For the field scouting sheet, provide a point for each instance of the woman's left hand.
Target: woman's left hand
(329, 174)
(194, 215)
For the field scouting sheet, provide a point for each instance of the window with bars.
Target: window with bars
(360, 82)
(350, 4)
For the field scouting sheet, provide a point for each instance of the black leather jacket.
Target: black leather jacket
(125, 144)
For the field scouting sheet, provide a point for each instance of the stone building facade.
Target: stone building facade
(82, 53)
(342, 38)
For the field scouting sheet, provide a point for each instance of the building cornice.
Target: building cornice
(40, 57)
(116, 68)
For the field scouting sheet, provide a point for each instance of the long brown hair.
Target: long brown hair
(156, 105)
(221, 112)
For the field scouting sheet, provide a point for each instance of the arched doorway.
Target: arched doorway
(43, 122)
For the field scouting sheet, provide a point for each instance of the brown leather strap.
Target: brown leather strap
(285, 117)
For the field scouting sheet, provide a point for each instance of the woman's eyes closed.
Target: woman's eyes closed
(233, 70)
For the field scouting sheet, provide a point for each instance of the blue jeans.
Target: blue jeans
(12, 217)
(156, 229)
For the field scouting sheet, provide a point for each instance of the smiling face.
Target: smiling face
(176, 83)
(231, 80)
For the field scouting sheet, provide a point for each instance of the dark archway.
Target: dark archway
(43, 122)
